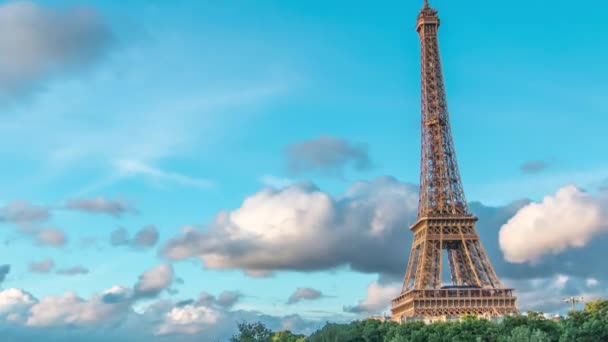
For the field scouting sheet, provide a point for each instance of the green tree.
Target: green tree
(534, 321)
(590, 325)
(252, 332)
(596, 306)
(406, 332)
(525, 334)
(337, 333)
(287, 336)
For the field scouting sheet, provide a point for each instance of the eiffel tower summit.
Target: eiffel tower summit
(444, 222)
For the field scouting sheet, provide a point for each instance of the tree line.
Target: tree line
(589, 325)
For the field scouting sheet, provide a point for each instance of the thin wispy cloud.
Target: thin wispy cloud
(133, 168)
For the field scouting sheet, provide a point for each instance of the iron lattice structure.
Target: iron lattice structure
(444, 221)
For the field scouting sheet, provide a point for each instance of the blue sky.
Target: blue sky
(179, 111)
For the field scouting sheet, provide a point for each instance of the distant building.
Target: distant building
(556, 318)
(380, 318)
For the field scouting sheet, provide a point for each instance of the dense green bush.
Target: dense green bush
(589, 325)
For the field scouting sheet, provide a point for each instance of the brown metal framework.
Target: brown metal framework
(444, 220)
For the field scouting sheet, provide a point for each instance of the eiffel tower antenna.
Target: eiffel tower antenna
(444, 221)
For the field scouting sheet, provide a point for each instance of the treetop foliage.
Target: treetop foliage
(589, 325)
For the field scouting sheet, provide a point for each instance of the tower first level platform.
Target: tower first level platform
(453, 303)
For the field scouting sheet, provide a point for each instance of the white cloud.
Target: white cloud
(188, 319)
(378, 299)
(15, 303)
(109, 317)
(569, 219)
(302, 228)
(592, 282)
(69, 309)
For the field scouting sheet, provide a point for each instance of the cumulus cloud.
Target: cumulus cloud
(302, 228)
(70, 309)
(569, 219)
(14, 304)
(575, 262)
(266, 234)
(4, 270)
(20, 307)
(188, 319)
(23, 212)
(41, 42)
(154, 281)
(144, 238)
(533, 166)
(378, 299)
(43, 266)
(214, 323)
(304, 293)
(149, 285)
(328, 155)
(99, 205)
(108, 317)
(72, 271)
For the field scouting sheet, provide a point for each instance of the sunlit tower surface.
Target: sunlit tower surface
(444, 222)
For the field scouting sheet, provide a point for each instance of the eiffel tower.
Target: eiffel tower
(444, 222)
